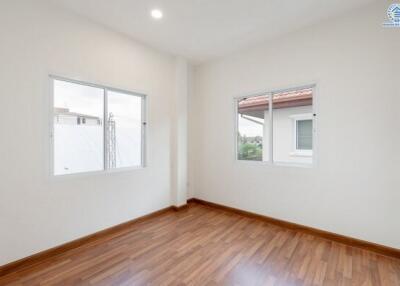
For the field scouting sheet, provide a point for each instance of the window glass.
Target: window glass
(124, 125)
(304, 134)
(277, 127)
(292, 126)
(78, 128)
(253, 128)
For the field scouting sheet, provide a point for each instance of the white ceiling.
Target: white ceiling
(203, 29)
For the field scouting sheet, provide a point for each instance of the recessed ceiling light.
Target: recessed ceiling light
(156, 14)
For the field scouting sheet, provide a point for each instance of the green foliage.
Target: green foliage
(250, 148)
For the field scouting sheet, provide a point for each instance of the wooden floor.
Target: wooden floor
(206, 246)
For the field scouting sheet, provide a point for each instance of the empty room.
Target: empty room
(199, 142)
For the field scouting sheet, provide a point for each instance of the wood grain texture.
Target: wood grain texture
(202, 245)
(384, 250)
(39, 257)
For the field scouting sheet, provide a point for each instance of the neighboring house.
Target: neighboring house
(64, 116)
(292, 124)
(82, 134)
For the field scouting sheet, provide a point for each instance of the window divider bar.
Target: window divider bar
(271, 131)
(143, 131)
(236, 127)
(105, 133)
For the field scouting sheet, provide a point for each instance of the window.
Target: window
(95, 128)
(303, 131)
(276, 127)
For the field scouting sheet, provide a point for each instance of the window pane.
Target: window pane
(304, 134)
(292, 126)
(78, 128)
(124, 130)
(253, 130)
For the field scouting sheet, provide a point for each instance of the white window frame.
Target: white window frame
(270, 94)
(106, 90)
(299, 152)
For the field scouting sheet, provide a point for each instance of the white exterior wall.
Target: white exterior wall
(354, 188)
(37, 211)
(284, 135)
(87, 155)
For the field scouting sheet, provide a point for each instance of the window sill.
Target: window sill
(96, 173)
(301, 154)
(274, 164)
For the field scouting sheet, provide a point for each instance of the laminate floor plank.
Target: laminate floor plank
(206, 246)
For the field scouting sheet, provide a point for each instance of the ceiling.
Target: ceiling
(204, 29)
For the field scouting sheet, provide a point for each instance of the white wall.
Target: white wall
(354, 190)
(179, 134)
(37, 212)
